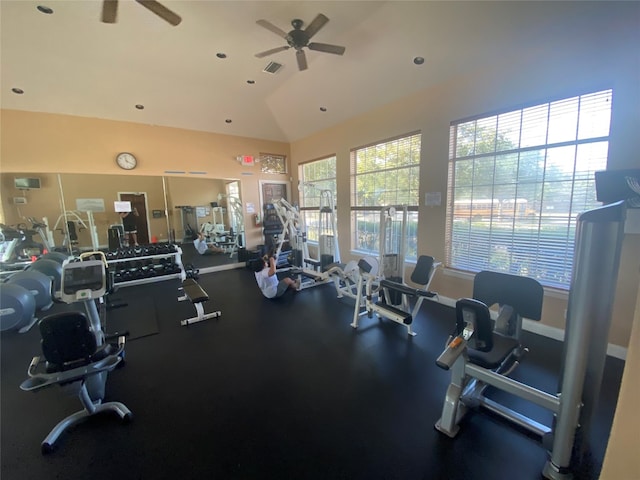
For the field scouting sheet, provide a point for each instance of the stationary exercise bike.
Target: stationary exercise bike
(75, 351)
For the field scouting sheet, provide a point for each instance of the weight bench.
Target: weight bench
(194, 293)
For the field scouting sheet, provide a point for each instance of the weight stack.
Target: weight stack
(114, 239)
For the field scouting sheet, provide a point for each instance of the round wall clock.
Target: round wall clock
(126, 161)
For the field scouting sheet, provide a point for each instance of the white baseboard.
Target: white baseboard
(220, 268)
(538, 328)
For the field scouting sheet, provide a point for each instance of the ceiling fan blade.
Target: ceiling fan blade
(302, 60)
(316, 25)
(162, 11)
(325, 47)
(109, 11)
(272, 51)
(271, 27)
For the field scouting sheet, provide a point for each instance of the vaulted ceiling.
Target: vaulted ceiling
(70, 62)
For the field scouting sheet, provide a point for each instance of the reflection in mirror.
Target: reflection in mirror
(30, 207)
(96, 208)
(209, 211)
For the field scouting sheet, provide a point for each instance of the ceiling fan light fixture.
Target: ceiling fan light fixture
(44, 9)
(298, 38)
(272, 68)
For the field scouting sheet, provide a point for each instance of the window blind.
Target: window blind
(517, 181)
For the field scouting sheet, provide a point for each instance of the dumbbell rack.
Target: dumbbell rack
(158, 267)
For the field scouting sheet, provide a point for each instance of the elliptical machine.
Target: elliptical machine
(17, 245)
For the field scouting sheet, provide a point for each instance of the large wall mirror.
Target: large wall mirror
(212, 207)
(79, 211)
(31, 205)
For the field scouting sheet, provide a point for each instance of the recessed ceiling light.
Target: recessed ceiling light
(228, 120)
(44, 9)
(19, 91)
(221, 55)
(140, 107)
(323, 109)
(251, 82)
(418, 60)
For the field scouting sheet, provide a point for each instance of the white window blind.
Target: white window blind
(518, 180)
(383, 174)
(315, 177)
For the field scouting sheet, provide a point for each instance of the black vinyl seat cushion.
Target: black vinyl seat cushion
(502, 348)
(68, 341)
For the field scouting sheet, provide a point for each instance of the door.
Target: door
(139, 202)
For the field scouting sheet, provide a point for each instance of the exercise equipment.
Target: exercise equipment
(56, 256)
(42, 229)
(310, 271)
(71, 222)
(236, 219)
(346, 277)
(27, 291)
(328, 247)
(17, 307)
(479, 355)
(275, 236)
(189, 223)
(363, 280)
(193, 292)
(40, 287)
(115, 236)
(391, 241)
(74, 349)
(395, 303)
(52, 269)
(17, 248)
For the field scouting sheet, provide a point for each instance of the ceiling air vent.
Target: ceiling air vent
(272, 67)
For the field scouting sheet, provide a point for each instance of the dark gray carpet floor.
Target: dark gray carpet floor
(280, 389)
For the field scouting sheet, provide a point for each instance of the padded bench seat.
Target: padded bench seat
(197, 296)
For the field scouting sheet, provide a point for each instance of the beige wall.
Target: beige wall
(45, 202)
(604, 63)
(47, 143)
(622, 460)
(36, 142)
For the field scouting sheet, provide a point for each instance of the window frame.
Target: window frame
(308, 211)
(550, 263)
(360, 212)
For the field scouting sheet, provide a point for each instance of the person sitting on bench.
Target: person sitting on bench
(205, 248)
(271, 287)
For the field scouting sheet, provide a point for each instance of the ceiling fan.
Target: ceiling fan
(110, 11)
(299, 38)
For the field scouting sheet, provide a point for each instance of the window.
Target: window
(385, 174)
(273, 163)
(518, 180)
(317, 180)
